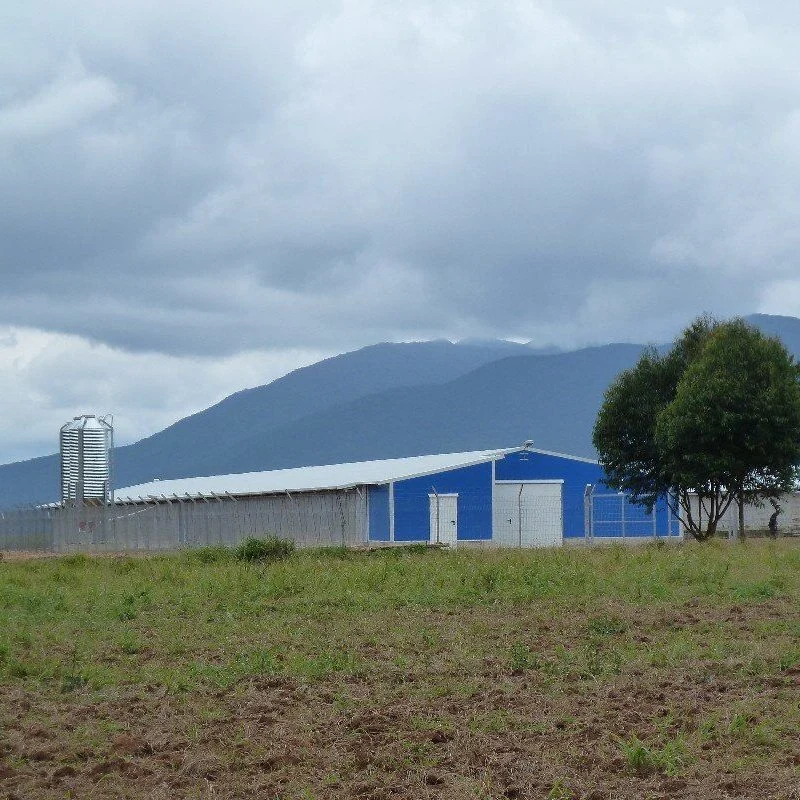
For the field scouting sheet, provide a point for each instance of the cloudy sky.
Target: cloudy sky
(199, 197)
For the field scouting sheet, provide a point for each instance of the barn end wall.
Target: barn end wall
(575, 474)
(474, 488)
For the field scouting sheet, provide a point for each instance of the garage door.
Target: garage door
(528, 513)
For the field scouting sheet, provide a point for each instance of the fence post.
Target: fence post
(622, 513)
(438, 514)
(587, 512)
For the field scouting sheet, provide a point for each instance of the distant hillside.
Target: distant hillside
(550, 399)
(382, 401)
(180, 449)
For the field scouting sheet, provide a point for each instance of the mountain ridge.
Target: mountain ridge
(381, 401)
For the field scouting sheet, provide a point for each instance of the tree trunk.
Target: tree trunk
(741, 516)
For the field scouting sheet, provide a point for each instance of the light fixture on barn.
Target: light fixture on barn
(525, 452)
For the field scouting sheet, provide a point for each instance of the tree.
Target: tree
(735, 419)
(624, 432)
(716, 418)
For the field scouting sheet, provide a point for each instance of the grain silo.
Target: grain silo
(86, 445)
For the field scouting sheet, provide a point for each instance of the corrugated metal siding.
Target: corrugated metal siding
(474, 488)
(379, 524)
(756, 520)
(311, 519)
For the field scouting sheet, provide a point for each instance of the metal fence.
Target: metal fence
(611, 515)
(315, 519)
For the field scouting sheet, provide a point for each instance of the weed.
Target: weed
(129, 607)
(491, 722)
(637, 754)
(260, 662)
(335, 551)
(75, 560)
(740, 724)
(599, 662)
(72, 679)
(123, 565)
(789, 660)
(269, 549)
(642, 758)
(129, 643)
(212, 554)
(560, 791)
(606, 625)
(522, 658)
(753, 592)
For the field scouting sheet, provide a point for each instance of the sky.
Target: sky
(198, 197)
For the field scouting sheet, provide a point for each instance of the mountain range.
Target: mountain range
(383, 401)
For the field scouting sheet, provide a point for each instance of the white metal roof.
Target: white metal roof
(306, 479)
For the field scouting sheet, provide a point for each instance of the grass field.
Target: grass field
(603, 673)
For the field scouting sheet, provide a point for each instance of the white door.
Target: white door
(528, 513)
(444, 519)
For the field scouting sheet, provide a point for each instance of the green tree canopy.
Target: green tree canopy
(717, 417)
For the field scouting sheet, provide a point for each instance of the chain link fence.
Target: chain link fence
(318, 519)
(611, 515)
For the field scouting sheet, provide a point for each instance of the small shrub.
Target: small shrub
(270, 549)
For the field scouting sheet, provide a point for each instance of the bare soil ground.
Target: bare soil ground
(696, 699)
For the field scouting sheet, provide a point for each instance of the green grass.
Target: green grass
(416, 664)
(668, 756)
(204, 616)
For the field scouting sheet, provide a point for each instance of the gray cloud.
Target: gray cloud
(202, 182)
(192, 181)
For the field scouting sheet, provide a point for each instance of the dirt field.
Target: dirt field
(645, 673)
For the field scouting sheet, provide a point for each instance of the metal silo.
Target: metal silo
(86, 445)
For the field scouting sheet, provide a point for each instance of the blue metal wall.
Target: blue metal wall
(474, 488)
(379, 513)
